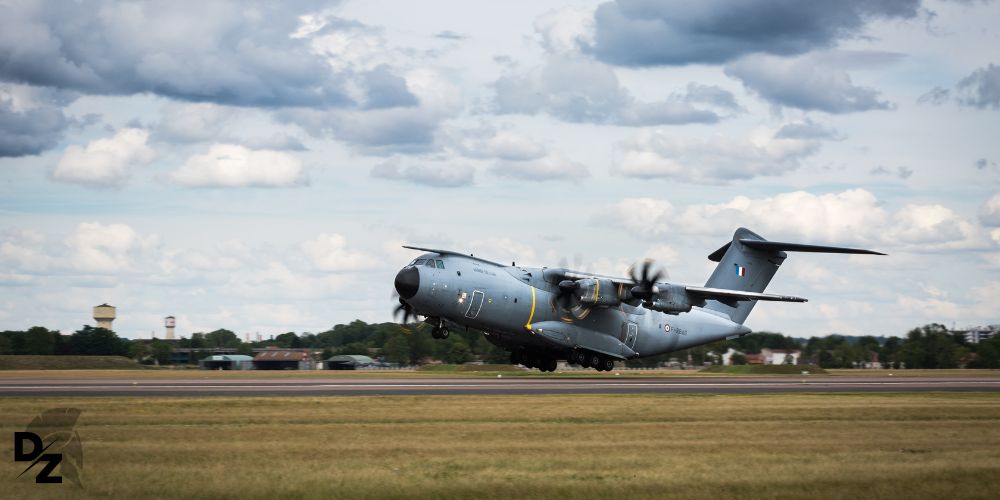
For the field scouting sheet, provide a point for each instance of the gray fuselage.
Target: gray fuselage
(514, 306)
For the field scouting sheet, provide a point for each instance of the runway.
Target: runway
(346, 386)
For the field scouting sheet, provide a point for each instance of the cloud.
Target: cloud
(31, 120)
(676, 32)
(989, 213)
(233, 165)
(104, 163)
(435, 175)
(854, 216)
(576, 89)
(385, 131)
(657, 154)
(543, 169)
(488, 142)
(107, 249)
(902, 172)
(192, 122)
(329, 252)
(235, 53)
(815, 81)
(981, 89)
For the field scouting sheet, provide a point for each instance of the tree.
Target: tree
(288, 340)
(138, 350)
(354, 348)
(90, 341)
(738, 359)
(245, 349)
(930, 346)
(160, 351)
(459, 352)
(397, 350)
(39, 340)
(221, 338)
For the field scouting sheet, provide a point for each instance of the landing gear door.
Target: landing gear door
(630, 335)
(475, 304)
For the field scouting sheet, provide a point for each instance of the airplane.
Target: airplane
(542, 315)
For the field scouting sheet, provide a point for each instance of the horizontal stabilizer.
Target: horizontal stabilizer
(779, 246)
(722, 294)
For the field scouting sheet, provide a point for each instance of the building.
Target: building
(977, 334)
(348, 362)
(282, 359)
(781, 356)
(169, 322)
(227, 362)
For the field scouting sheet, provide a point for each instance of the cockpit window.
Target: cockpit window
(419, 262)
(430, 263)
(440, 264)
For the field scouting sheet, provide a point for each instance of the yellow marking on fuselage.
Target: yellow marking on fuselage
(531, 316)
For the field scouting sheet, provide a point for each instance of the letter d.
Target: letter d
(36, 446)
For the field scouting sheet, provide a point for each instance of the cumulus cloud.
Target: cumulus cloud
(854, 216)
(488, 142)
(981, 89)
(107, 162)
(766, 152)
(233, 165)
(31, 120)
(329, 252)
(902, 171)
(989, 213)
(549, 168)
(431, 174)
(192, 122)
(232, 52)
(387, 130)
(815, 81)
(107, 248)
(576, 89)
(676, 32)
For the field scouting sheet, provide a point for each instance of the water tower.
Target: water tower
(104, 315)
(169, 323)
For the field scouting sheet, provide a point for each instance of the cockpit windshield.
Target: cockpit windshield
(418, 262)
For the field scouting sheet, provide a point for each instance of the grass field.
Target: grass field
(665, 446)
(28, 362)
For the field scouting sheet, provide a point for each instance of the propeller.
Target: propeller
(644, 287)
(566, 302)
(403, 308)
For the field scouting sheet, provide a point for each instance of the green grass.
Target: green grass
(795, 446)
(470, 369)
(28, 362)
(765, 370)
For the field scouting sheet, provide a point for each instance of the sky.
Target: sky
(256, 166)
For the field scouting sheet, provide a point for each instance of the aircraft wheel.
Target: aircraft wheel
(550, 365)
(607, 364)
(515, 358)
(593, 361)
(443, 333)
(436, 333)
(579, 357)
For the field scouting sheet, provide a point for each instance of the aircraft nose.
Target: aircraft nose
(407, 282)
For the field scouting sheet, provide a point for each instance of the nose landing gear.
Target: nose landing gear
(440, 332)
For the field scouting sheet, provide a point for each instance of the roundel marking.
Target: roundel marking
(666, 328)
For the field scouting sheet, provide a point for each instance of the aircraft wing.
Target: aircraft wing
(724, 295)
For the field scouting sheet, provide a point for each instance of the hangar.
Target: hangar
(348, 362)
(280, 359)
(227, 362)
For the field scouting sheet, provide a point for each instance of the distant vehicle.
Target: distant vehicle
(543, 314)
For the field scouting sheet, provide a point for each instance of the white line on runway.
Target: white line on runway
(502, 386)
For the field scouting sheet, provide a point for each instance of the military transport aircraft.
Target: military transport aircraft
(544, 314)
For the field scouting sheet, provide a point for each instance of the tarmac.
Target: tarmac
(371, 386)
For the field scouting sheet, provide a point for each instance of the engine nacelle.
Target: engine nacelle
(672, 299)
(597, 292)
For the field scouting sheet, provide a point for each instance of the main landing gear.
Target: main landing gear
(440, 332)
(592, 360)
(533, 360)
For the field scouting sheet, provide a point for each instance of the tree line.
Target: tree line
(928, 346)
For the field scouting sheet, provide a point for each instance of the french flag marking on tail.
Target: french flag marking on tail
(740, 270)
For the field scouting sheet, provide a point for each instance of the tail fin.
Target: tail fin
(749, 262)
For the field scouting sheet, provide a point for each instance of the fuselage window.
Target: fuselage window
(440, 264)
